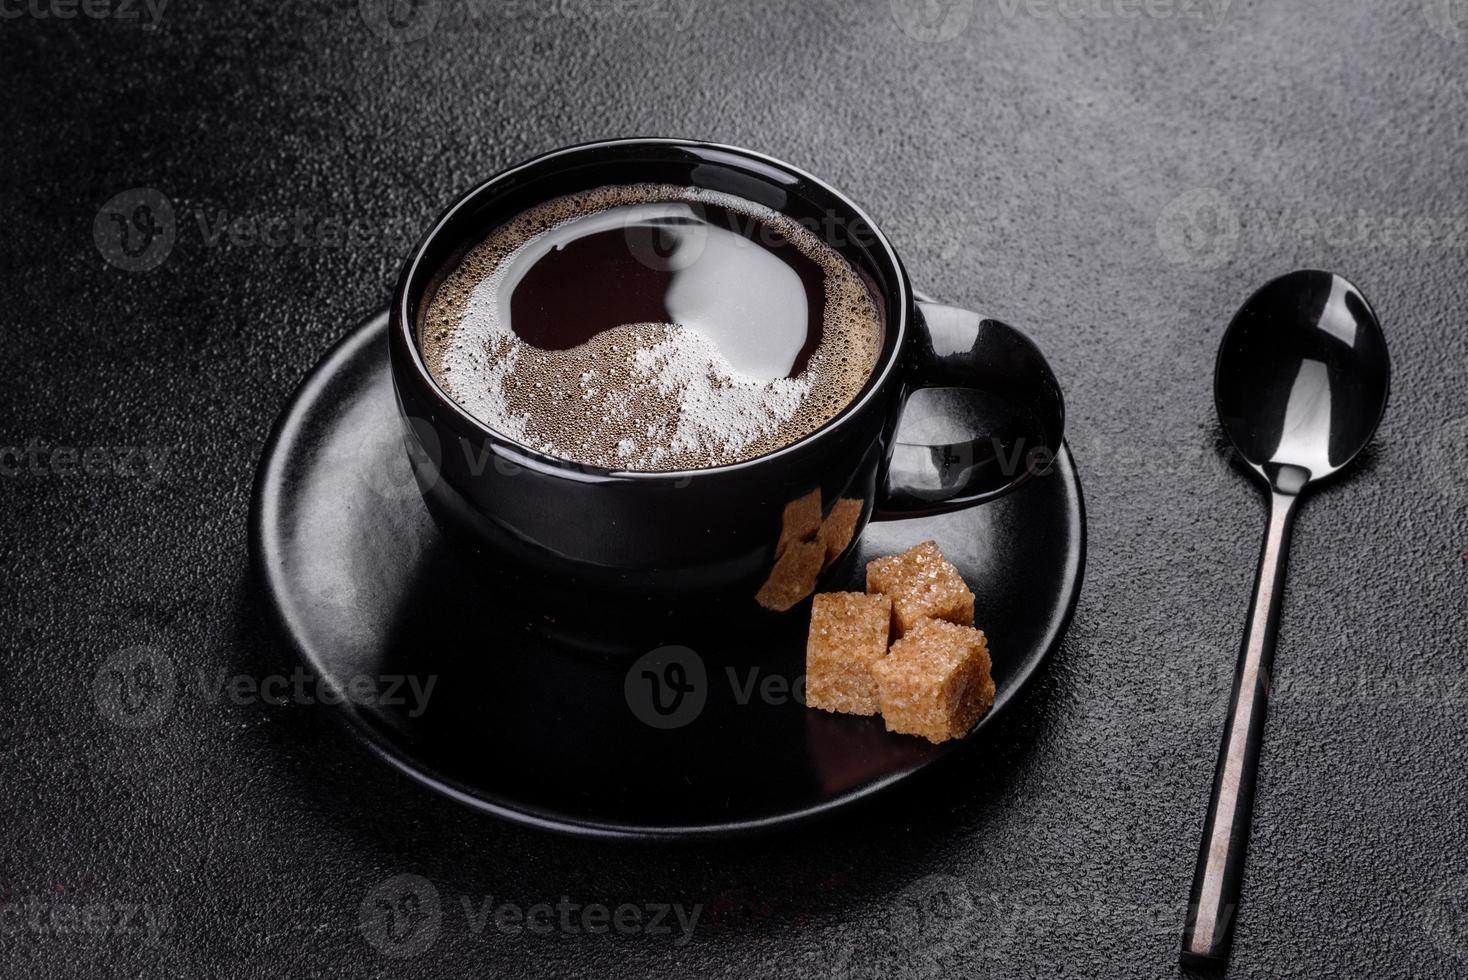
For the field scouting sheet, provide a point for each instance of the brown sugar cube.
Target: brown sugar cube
(936, 681)
(839, 526)
(922, 585)
(848, 634)
(793, 577)
(800, 521)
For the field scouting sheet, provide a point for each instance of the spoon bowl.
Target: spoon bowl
(1301, 378)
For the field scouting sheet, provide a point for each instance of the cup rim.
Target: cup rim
(403, 327)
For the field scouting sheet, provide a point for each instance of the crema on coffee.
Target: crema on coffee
(652, 327)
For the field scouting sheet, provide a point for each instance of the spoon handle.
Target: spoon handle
(1210, 923)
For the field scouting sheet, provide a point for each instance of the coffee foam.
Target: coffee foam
(648, 397)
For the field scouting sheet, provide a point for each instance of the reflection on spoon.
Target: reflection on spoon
(1300, 385)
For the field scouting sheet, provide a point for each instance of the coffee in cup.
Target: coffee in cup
(652, 327)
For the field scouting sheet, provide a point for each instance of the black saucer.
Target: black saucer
(520, 725)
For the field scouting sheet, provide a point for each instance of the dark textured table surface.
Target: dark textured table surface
(1114, 176)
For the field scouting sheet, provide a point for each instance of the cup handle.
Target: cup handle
(1000, 391)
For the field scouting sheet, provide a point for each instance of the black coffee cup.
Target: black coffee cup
(758, 534)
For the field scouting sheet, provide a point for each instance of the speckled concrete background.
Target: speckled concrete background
(1114, 175)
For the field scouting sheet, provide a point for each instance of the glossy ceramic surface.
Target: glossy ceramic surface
(697, 733)
(719, 533)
